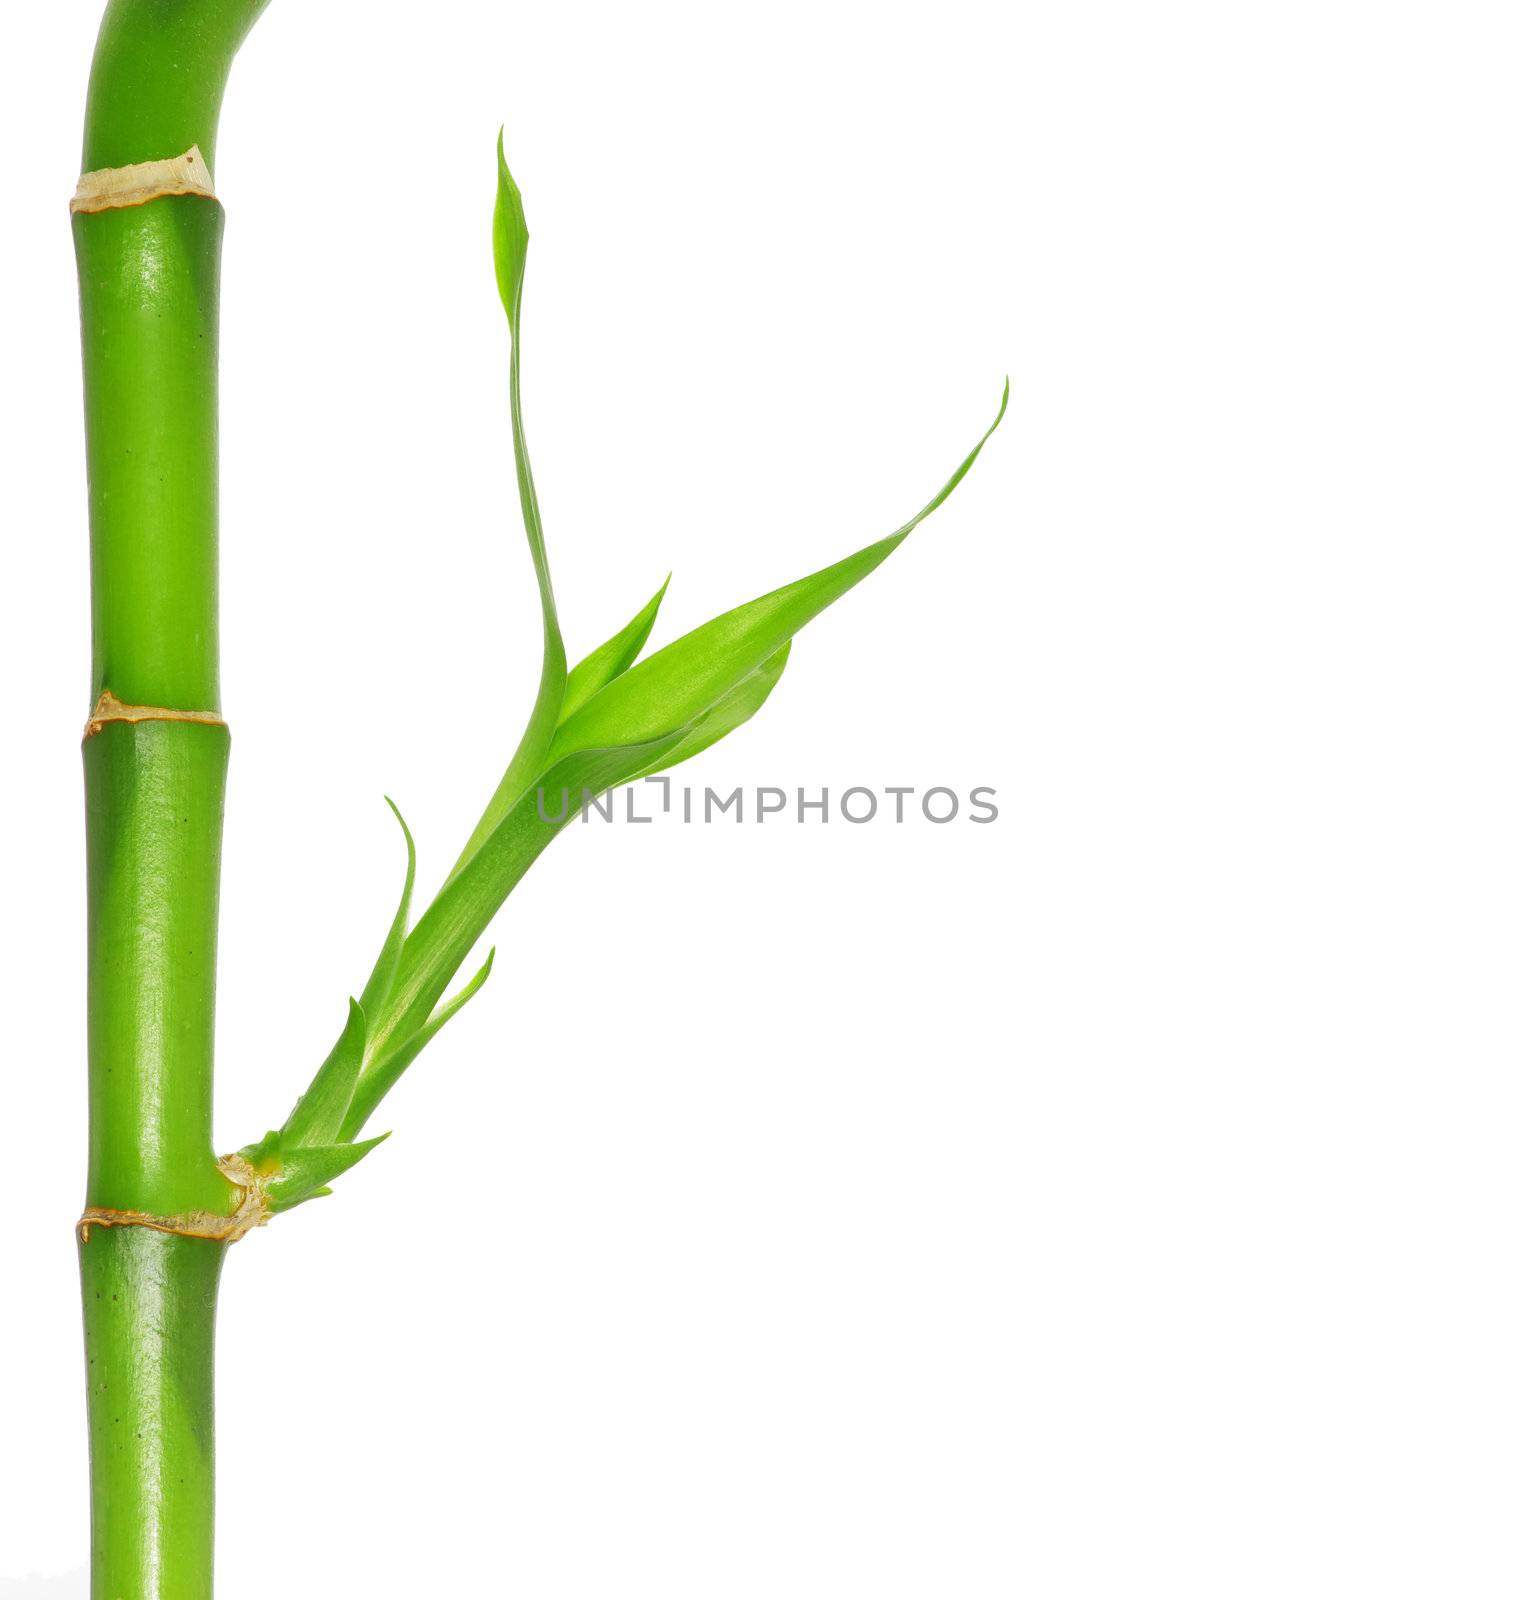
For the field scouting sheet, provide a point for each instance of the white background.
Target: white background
(1124, 1199)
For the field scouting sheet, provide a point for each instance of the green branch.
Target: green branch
(613, 719)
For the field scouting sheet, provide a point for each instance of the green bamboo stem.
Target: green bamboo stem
(150, 1307)
(148, 278)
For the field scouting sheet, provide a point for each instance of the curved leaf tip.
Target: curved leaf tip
(379, 984)
(615, 656)
(511, 240)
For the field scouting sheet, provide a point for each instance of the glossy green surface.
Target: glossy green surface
(148, 278)
(154, 814)
(157, 78)
(150, 1305)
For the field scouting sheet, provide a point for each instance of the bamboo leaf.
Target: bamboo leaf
(673, 688)
(386, 966)
(728, 713)
(306, 1172)
(612, 658)
(316, 1118)
(380, 1077)
(511, 242)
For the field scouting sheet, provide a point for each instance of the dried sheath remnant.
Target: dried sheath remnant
(109, 709)
(110, 188)
(252, 1211)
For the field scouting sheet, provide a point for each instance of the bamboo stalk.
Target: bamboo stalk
(161, 1208)
(154, 782)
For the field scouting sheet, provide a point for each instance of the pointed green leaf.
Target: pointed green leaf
(316, 1118)
(605, 664)
(728, 713)
(307, 1172)
(380, 1077)
(681, 682)
(511, 241)
(381, 977)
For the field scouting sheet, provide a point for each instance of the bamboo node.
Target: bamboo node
(109, 709)
(111, 188)
(253, 1211)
